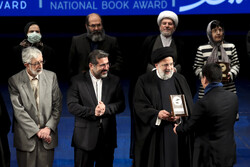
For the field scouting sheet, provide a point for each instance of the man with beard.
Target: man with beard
(94, 98)
(37, 105)
(155, 142)
(167, 22)
(95, 38)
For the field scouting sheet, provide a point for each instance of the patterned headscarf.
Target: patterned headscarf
(213, 58)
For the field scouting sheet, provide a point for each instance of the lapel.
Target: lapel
(89, 85)
(85, 42)
(43, 88)
(27, 87)
(105, 89)
(173, 45)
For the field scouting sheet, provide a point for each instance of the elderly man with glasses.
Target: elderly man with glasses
(37, 106)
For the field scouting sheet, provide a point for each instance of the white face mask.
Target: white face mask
(34, 37)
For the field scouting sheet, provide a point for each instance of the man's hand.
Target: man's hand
(164, 115)
(174, 129)
(100, 109)
(44, 134)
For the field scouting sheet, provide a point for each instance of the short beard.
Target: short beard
(96, 36)
(167, 34)
(165, 76)
(35, 73)
(104, 75)
(100, 75)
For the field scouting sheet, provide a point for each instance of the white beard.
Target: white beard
(162, 74)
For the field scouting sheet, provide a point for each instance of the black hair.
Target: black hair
(212, 72)
(217, 23)
(97, 54)
(27, 26)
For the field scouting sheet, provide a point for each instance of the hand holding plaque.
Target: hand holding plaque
(178, 105)
(225, 69)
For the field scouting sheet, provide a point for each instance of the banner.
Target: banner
(120, 7)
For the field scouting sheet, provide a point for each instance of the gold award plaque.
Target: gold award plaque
(225, 69)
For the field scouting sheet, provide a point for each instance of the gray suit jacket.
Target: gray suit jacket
(25, 111)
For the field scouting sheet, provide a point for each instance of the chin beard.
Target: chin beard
(104, 75)
(167, 34)
(35, 73)
(96, 36)
(165, 76)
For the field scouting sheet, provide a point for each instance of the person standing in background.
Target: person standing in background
(215, 51)
(33, 38)
(94, 38)
(167, 22)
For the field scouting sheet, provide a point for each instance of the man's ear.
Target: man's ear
(90, 65)
(26, 65)
(205, 80)
(156, 65)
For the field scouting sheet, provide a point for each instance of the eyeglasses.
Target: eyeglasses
(37, 63)
(104, 65)
(95, 25)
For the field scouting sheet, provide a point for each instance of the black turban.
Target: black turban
(26, 28)
(162, 53)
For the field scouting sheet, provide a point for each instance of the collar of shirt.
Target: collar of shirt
(99, 83)
(166, 41)
(211, 86)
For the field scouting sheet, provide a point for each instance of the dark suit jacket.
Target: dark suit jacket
(4, 130)
(81, 47)
(81, 100)
(213, 121)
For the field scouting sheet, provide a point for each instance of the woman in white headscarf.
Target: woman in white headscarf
(217, 50)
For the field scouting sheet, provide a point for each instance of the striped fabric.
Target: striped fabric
(204, 52)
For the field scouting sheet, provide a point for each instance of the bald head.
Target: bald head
(93, 18)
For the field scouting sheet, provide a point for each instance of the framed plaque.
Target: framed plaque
(225, 69)
(178, 105)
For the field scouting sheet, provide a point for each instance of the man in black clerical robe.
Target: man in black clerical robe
(156, 145)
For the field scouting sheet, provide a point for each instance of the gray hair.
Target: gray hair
(29, 53)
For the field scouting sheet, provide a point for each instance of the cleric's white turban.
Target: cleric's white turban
(168, 14)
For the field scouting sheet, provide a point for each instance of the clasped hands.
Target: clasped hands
(44, 134)
(100, 109)
(164, 115)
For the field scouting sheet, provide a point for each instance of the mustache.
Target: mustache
(104, 70)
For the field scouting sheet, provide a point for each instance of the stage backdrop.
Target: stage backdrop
(120, 7)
